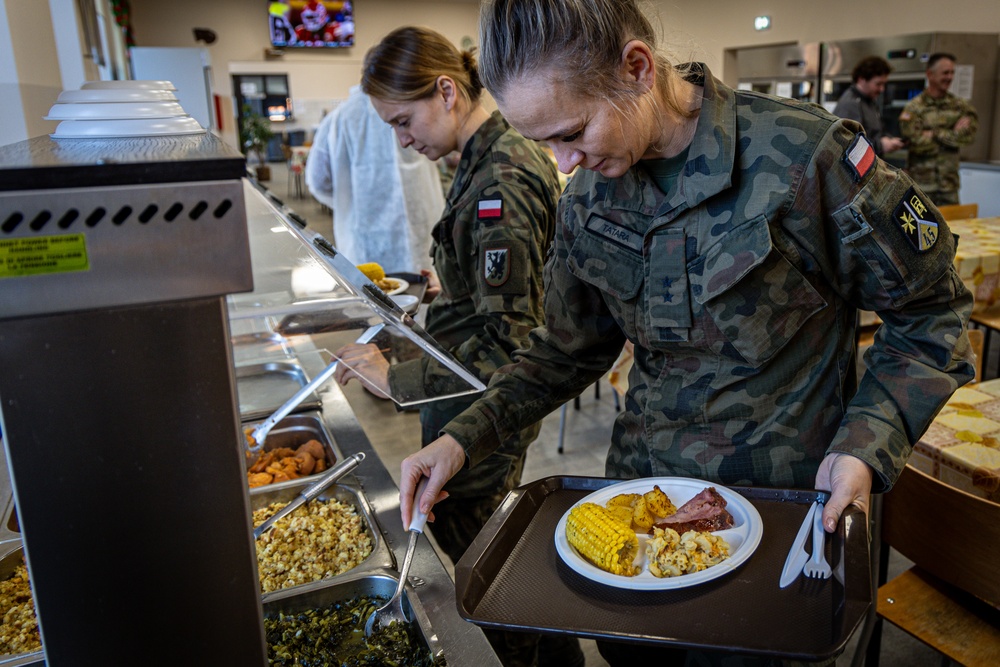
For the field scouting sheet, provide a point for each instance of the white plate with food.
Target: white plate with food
(742, 537)
(391, 285)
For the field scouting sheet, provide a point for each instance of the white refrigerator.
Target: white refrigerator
(188, 68)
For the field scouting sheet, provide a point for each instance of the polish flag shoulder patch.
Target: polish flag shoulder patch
(490, 208)
(860, 157)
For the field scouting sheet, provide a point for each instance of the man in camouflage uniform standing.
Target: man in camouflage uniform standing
(937, 124)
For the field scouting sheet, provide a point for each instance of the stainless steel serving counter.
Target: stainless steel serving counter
(462, 642)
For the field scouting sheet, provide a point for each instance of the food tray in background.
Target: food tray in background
(296, 430)
(511, 574)
(263, 388)
(12, 556)
(380, 583)
(380, 556)
(259, 347)
(344, 318)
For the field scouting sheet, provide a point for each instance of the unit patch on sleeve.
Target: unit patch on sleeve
(496, 268)
(860, 157)
(911, 215)
(490, 208)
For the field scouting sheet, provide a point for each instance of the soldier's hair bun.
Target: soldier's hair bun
(470, 65)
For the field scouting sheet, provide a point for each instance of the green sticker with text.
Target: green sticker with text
(43, 254)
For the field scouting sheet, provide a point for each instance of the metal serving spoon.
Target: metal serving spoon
(256, 436)
(392, 611)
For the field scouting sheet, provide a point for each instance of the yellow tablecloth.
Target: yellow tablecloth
(962, 445)
(977, 260)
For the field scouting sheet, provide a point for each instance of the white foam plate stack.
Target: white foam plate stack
(114, 109)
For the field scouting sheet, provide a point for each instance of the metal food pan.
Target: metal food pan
(296, 430)
(12, 556)
(380, 583)
(258, 347)
(380, 556)
(10, 529)
(511, 573)
(263, 388)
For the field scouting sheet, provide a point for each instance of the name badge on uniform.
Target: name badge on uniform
(860, 157)
(911, 215)
(490, 208)
(615, 233)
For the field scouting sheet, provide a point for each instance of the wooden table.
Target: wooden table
(962, 445)
(977, 260)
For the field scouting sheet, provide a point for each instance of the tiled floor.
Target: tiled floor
(396, 434)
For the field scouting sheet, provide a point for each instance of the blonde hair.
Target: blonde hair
(582, 39)
(406, 64)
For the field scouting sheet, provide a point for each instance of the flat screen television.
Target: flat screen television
(311, 24)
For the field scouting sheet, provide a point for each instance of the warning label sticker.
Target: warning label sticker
(43, 254)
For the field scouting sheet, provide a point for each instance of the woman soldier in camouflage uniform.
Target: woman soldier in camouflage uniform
(732, 237)
(489, 251)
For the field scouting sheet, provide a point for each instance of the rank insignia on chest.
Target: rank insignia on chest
(496, 267)
(860, 157)
(915, 221)
(490, 208)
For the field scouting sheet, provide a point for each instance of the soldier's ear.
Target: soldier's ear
(638, 63)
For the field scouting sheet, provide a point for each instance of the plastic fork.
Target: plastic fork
(817, 567)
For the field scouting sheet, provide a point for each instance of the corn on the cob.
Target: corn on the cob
(373, 271)
(600, 538)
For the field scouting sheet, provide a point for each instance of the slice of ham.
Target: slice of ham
(705, 512)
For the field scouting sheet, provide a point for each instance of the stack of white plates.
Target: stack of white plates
(109, 109)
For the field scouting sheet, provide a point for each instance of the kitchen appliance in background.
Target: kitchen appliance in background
(188, 68)
(975, 76)
(785, 70)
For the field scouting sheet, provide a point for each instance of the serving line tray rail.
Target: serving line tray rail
(512, 578)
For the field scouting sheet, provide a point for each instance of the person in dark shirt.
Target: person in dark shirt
(859, 103)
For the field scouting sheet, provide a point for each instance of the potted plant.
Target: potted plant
(256, 134)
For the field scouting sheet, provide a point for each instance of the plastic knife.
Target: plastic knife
(797, 555)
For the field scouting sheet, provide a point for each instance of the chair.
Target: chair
(295, 162)
(947, 599)
(959, 211)
(576, 406)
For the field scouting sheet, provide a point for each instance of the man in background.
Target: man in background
(858, 103)
(386, 199)
(937, 124)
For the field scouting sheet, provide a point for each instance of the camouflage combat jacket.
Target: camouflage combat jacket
(489, 252)
(932, 161)
(740, 289)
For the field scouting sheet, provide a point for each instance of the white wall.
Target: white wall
(29, 69)
(701, 30)
(316, 80)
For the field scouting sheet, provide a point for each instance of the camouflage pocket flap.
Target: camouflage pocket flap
(735, 255)
(607, 266)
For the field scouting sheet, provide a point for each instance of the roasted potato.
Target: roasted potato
(658, 503)
(623, 500)
(642, 518)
